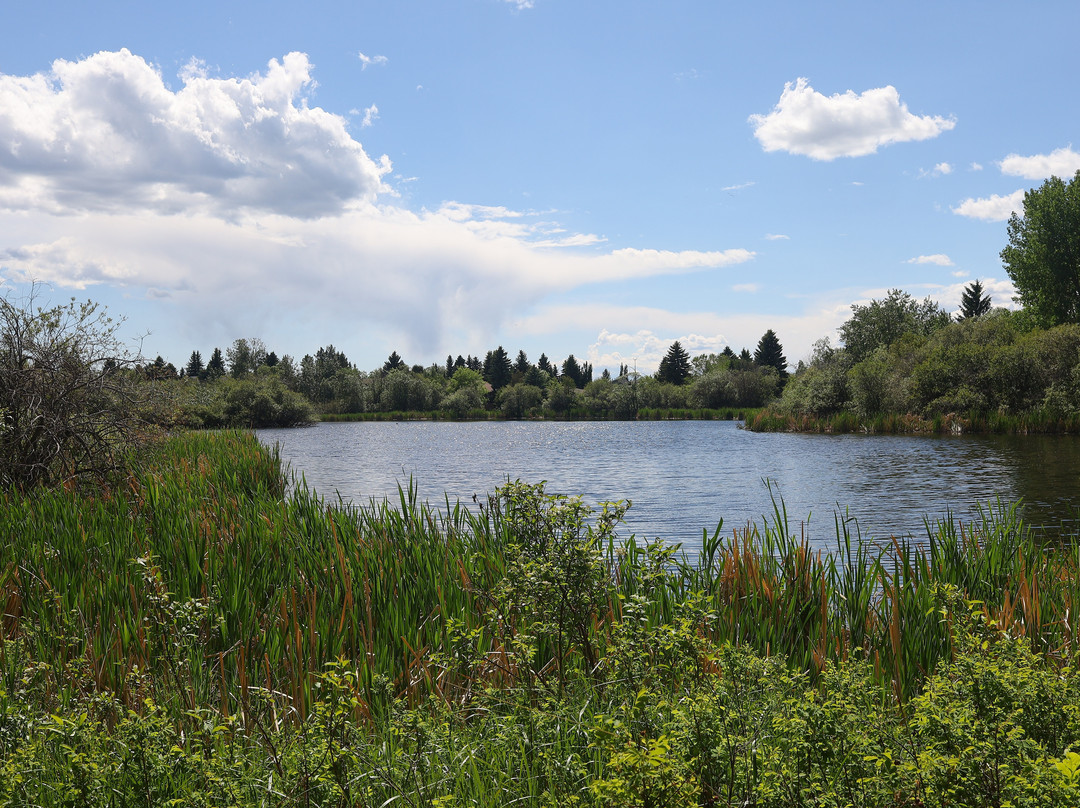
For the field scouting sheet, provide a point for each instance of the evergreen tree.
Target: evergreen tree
(544, 364)
(521, 364)
(730, 354)
(973, 303)
(745, 356)
(572, 370)
(770, 353)
(458, 364)
(393, 362)
(606, 375)
(271, 360)
(194, 367)
(497, 368)
(215, 368)
(675, 366)
(450, 365)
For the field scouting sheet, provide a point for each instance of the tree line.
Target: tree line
(208, 394)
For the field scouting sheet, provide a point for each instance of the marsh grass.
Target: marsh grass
(205, 588)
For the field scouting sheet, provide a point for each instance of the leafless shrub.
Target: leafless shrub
(68, 397)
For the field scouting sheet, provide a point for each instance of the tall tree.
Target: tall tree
(393, 362)
(573, 371)
(215, 368)
(973, 303)
(497, 368)
(881, 322)
(1043, 254)
(522, 364)
(770, 353)
(675, 366)
(194, 367)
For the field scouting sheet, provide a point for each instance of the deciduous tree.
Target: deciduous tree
(1043, 254)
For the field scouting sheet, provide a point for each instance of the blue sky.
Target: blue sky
(596, 178)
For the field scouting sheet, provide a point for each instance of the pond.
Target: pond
(685, 476)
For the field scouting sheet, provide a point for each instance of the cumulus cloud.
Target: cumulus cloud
(842, 125)
(371, 114)
(245, 205)
(106, 133)
(1062, 162)
(993, 208)
(940, 259)
(520, 4)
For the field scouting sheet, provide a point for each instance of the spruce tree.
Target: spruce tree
(770, 353)
(973, 303)
(675, 366)
(215, 368)
(194, 366)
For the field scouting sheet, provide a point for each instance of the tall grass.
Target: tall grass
(204, 580)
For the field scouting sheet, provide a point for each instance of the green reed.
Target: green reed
(204, 581)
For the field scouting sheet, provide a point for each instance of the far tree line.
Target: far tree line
(467, 385)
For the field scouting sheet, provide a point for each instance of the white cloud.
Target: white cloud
(960, 273)
(776, 237)
(105, 133)
(750, 184)
(842, 125)
(993, 208)
(745, 287)
(371, 114)
(940, 259)
(521, 3)
(367, 61)
(1062, 162)
(248, 207)
(976, 167)
(943, 168)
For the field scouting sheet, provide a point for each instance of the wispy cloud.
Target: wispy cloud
(740, 187)
(776, 237)
(843, 125)
(371, 114)
(367, 61)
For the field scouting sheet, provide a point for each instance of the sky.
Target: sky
(600, 178)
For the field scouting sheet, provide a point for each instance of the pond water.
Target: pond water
(684, 476)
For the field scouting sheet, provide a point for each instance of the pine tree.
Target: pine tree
(973, 303)
(770, 353)
(573, 371)
(521, 364)
(675, 366)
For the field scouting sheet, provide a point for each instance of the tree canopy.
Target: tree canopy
(881, 322)
(1043, 254)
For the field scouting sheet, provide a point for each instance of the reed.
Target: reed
(205, 579)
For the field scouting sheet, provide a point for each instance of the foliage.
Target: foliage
(880, 323)
(205, 634)
(68, 403)
(1043, 253)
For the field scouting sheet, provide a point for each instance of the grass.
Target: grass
(203, 592)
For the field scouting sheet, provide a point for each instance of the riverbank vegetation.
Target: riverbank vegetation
(197, 631)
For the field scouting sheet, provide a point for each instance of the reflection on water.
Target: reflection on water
(683, 476)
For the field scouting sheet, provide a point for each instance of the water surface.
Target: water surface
(683, 476)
